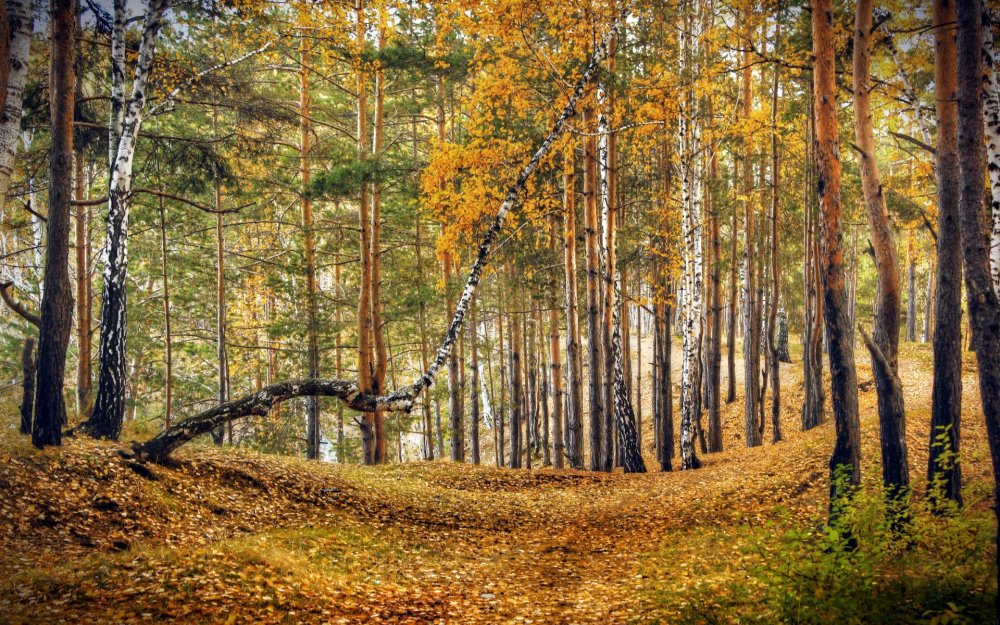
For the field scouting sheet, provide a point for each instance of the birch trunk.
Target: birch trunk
(21, 21)
(594, 342)
(126, 120)
(991, 115)
(474, 387)
(753, 428)
(691, 270)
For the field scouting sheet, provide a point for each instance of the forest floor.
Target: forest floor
(229, 536)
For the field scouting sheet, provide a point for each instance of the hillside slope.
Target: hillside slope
(233, 537)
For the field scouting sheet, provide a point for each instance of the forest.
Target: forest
(500, 311)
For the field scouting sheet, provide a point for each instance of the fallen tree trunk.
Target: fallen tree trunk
(260, 403)
(159, 448)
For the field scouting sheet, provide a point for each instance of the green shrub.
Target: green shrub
(936, 569)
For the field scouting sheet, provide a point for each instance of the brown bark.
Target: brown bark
(313, 430)
(424, 364)
(845, 471)
(555, 359)
(515, 390)
(666, 442)
(812, 358)
(83, 297)
(944, 472)
(168, 357)
(57, 299)
(981, 298)
(772, 313)
(892, 419)
(28, 384)
(713, 310)
(378, 331)
(365, 330)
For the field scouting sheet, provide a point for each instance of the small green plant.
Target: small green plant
(858, 569)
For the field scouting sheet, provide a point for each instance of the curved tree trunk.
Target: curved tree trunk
(892, 419)
(401, 399)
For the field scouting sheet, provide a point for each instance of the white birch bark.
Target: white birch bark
(691, 268)
(124, 124)
(991, 115)
(19, 14)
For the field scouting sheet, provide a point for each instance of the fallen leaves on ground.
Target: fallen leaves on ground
(227, 536)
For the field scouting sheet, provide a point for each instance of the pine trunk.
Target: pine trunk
(845, 471)
(892, 419)
(57, 299)
(29, 370)
(313, 433)
(981, 296)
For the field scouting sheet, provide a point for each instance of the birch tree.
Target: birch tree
(691, 287)
(127, 115)
(21, 23)
(991, 113)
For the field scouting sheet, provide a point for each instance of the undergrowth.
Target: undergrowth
(936, 568)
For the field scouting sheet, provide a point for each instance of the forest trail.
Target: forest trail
(236, 537)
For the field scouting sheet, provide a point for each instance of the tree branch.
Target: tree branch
(7, 294)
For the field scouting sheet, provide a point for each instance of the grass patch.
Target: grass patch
(937, 570)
